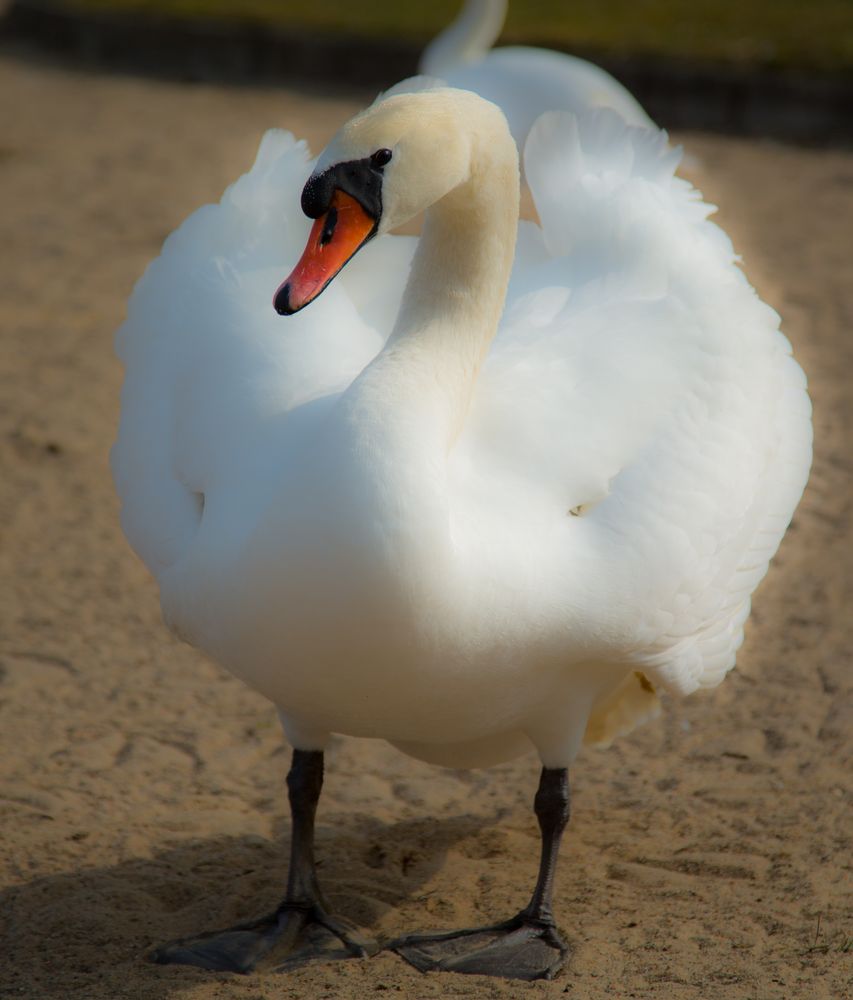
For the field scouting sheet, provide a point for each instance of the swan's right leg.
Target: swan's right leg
(300, 929)
(528, 945)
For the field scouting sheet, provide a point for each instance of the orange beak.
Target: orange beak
(335, 238)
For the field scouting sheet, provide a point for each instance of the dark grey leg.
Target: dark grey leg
(304, 784)
(528, 945)
(552, 806)
(300, 930)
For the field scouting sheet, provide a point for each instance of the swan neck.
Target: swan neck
(456, 291)
(467, 39)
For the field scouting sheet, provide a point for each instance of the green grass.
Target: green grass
(810, 34)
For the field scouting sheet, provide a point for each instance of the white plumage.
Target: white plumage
(637, 439)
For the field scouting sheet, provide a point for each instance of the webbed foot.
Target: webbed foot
(295, 934)
(528, 946)
(520, 948)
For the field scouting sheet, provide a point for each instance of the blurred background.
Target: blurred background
(779, 67)
(783, 33)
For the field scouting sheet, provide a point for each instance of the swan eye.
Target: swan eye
(380, 158)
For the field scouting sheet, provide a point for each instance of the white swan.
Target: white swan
(479, 527)
(523, 81)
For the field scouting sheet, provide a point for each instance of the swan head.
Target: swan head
(390, 162)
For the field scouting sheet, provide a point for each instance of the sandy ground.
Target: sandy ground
(142, 788)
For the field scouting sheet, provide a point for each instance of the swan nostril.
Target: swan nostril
(329, 227)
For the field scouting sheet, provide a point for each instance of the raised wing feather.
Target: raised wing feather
(638, 382)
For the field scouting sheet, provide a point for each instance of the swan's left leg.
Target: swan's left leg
(300, 929)
(528, 945)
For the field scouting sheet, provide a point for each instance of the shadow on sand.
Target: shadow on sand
(90, 932)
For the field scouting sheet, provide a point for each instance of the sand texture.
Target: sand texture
(141, 788)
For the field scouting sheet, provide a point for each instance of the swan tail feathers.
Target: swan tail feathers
(630, 705)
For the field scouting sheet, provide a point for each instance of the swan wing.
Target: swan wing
(640, 410)
(214, 378)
